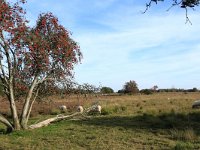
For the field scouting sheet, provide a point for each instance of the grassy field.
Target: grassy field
(160, 121)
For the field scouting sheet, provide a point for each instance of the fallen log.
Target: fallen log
(51, 120)
(61, 117)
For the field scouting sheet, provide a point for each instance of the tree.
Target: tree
(185, 4)
(130, 87)
(30, 57)
(154, 88)
(106, 90)
(146, 91)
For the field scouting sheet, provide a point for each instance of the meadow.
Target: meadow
(160, 121)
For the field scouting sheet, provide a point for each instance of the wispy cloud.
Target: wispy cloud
(119, 43)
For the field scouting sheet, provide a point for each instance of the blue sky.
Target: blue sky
(119, 43)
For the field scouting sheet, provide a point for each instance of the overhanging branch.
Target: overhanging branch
(182, 3)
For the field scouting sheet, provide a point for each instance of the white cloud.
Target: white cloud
(120, 44)
(107, 55)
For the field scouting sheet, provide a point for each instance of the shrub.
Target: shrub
(55, 112)
(117, 109)
(131, 87)
(183, 146)
(184, 135)
(106, 111)
(146, 91)
(106, 90)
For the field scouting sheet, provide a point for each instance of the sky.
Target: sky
(120, 44)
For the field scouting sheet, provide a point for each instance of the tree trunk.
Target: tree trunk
(13, 108)
(24, 117)
(54, 119)
(6, 123)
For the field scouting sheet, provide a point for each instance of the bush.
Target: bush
(183, 146)
(184, 135)
(106, 90)
(131, 87)
(146, 91)
(106, 111)
(121, 91)
(55, 112)
(117, 109)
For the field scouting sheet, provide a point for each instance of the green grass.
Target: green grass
(127, 123)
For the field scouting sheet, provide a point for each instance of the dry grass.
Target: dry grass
(158, 121)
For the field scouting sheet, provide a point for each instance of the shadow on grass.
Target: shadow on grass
(147, 121)
(3, 131)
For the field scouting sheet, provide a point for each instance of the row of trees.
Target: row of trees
(131, 87)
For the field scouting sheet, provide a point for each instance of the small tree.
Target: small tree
(131, 87)
(29, 57)
(106, 90)
(154, 88)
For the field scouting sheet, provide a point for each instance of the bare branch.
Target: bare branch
(27, 103)
(51, 120)
(176, 3)
(148, 5)
(182, 3)
(31, 105)
(45, 79)
(187, 18)
(6, 122)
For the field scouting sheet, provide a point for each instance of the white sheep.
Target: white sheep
(63, 108)
(95, 109)
(98, 108)
(196, 104)
(80, 109)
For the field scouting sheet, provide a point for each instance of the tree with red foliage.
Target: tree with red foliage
(30, 56)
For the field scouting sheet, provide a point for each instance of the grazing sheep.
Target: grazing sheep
(95, 109)
(80, 109)
(63, 108)
(196, 104)
(98, 108)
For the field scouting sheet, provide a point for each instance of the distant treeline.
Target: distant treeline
(178, 90)
(150, 91)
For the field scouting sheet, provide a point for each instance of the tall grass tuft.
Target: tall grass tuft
(184, 146)
(187, 135)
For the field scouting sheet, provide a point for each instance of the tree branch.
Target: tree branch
(6, 122)
(31, 105)
(45, 79)
(27, 103)
(187, 18)
(11, 97)
(182, 3)
(51, 120)
(148, 5)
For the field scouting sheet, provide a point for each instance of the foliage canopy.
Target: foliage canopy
(31, 57)
(130, 87)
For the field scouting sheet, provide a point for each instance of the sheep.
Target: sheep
(196, 104)
(80, 109)
(63, 108)
(98, 108)
(95, 109)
